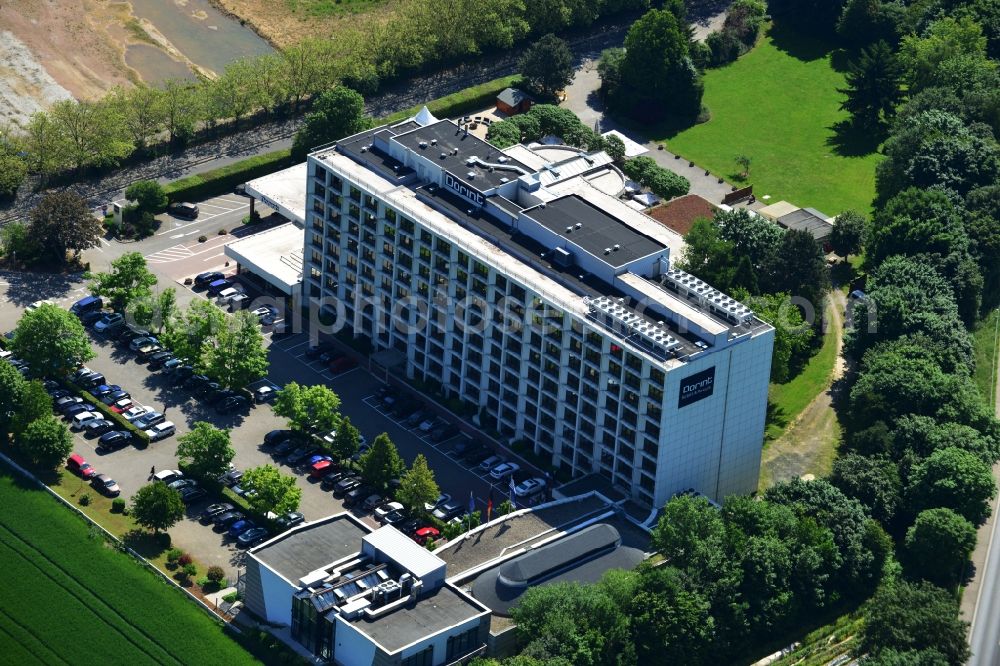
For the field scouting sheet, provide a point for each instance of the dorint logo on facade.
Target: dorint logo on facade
(475, 196)
(696, 387)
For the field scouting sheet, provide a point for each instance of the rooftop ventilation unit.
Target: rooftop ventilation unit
(422, 144)
(471, 175)
(578, 225)
(444, 155)
(607, 250)
(617, 247)
(470, 161)
(434, 142)
(562, 258)
(454, 151)
(502, 159)
(504, 179)
(706, 296)
(569, 230)
(364, 149)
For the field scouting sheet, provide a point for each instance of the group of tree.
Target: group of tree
(543, 120)
(547, 66)
(418, 35)
(738, 34)
(59, 227)
(662, 182)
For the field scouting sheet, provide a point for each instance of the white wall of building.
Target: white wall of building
(353, 648)
(277, 596)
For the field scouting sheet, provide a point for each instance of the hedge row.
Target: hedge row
(108, 413)
(224, 179)
(474, 98)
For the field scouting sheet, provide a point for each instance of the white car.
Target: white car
(161, 431)
(227, 294)
(384, 510)
(38, 304)
(81, 420)
(503, 470)
(529, 487)
(490, 463)
(168, 475)
(133, 413)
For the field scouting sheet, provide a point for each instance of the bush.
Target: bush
(174, 554)
(202, 239)
(84, 499)
(223, 232)
(231, 597)
(184, 560)
(118, 505)
(215, 574)
(190, 570)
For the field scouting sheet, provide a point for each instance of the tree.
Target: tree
(309, 409)
(45, 145)
(236, 355)
(381, 463)
(12, 387)
(157, 506)
(46, 442)
(182, 104)
(13, 171)
(938, 546)
(906, 616)
(792, 335)
(272, 490)
(865, 21)
(873, 87)
(50, 340)
(954, 479)
(801, 268)
(848, 233)
(689, 534)
(128, 280)
(547, 65)
(337, 113)
(743, 162)
(148, 195)
(872, 480)
(942, 40)
(346, 441)
(155, 311)
(142, 111)
(205, 451)
(614, 147)
(91, 133)
(34, 404)
(189, 335)
(61, 222)
(417, 486)
(707, 255)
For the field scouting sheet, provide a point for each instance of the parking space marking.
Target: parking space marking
(229, 210)
(238, 204)
(201, 219)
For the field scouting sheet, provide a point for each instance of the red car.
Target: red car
(320, 469)
(425, 534)
(77, 464)
(342, 364)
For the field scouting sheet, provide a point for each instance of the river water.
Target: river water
(201, 32)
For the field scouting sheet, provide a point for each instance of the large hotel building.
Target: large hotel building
(521, 282)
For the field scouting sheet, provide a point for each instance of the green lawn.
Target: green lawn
(779, 106)
(323, 8)
(68, 598)
(985, 342)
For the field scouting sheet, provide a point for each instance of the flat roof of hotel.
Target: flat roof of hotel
(312, 546)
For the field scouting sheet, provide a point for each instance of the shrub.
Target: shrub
(231, 597)
(184, 560)
(223, 232)
(84, 499)
(118, 505)
(190, 570)
(174, 554)
(202, 239)
(216, 574)
(224, 179)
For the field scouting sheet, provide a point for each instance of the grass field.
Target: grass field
(779, 106)
(985, 342)
(68, 598)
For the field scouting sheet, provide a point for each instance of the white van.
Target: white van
(227, 294)
(160, 431)
(81, 420)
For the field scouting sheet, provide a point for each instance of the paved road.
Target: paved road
(982, 596)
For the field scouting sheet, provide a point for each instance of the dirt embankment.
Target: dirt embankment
(281, 27)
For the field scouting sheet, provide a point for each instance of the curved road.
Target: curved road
(984, 636)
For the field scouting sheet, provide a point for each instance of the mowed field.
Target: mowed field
(779, 105)
(68, 598)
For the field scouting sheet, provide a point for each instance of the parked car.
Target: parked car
(180, 374)
(275, 437)
(224, 520)
(529, 487)
(78, 465)
(212, 511)
(409, 526)
(220, 395)
(148, 350)
(190, 494)
(252, 537)
(38, 304)
(321, 468)
(342, 364)
(182, 482)
(66, 400)
(266, 314)
(183, 209)
(289, 520)
(395, 517)
(384, 510)
(109, 324)
(208, 389)
(87, 304)
(443, 498)
(72, 410)
(231, 478)
(489, 463)
(227, 294)
(196, 381)
(332, 479)
(356, 495)
(444, 432)
(218, 285)
(171, 365)
(300, 454)
(205, 279)
(103, 389)
(415, 418)
(55, 394)
(425, 534)
(241, 526)
(141, 341)
(372, 501)
(232, 404)
(318, 350)
(132, 414)
(115, 396)
(159, 359)
(90, 317)
(91, 380)
(147, 421)
(81, 420)
(265, 394)
(106, 485)
(346, 485)
(285, 447)
(503, 470)
(448, 510)
(122, 405)
(161, 431)
(98, 427)
(168, 475)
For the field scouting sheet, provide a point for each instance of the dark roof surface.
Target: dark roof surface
(542, 563)
(598, 232)
(303, 550)
(449, 137)
(805, 219)
(359, 148)
(512, 96)
(416, 621)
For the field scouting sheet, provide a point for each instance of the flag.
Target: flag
(472, 503)
(489, 506)
(512, 489)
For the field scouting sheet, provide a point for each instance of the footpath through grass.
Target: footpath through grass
(779, 106)
(69, 598)
(985, 343)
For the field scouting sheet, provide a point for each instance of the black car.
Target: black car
(114, 440)
(408, 527)
(476, 454)
(194, 381)
(445, 432)
(205, 279)
(219, 396)
(289, 520)
(207, 389)
(115, 396)
(181, 374)
(356, 495)
(285, 447)
(212, 511)
(331, 479)
(318, 351)
(448, 510)
(405, 407)
(98, 427)
(233, 404)
(276, 437)
(183, 209)
(223, 520)
(157, 360)
(91, 317)
(301, 454)
(189, 495)
(55, 394)
(346, 485)
(416, 417)
(231, 478)
(395, 517)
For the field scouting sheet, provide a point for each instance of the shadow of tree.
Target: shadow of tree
(145, 543)
(775, 416)
(800, 44)
(848, 140)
